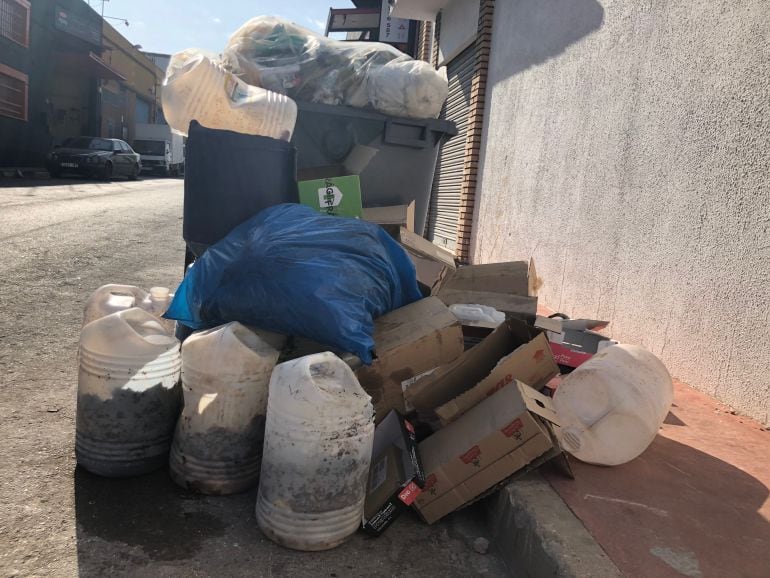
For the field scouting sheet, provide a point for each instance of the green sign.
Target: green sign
(338, 196)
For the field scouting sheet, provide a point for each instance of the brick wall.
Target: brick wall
(473, 140)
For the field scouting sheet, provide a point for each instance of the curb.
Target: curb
(537, 534)
(26, 173)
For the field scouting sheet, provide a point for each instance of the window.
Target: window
(13, 93)
(14, 20)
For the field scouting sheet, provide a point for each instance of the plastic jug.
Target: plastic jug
(128, 394)
(318, 445)
(217, 447)
(612, 405)
(112, 298)
(469, 314)
(197, 88)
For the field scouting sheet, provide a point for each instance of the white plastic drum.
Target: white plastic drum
(612, 406)
(318, 445)
(197, 88)
(112, 298)
(217, 446)
(128, 394)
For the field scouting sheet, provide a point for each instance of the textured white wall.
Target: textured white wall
(627, 148)
(459, 26)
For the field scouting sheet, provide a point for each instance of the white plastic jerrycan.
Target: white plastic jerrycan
(217, 447)
(198, 88)
(612, 406)
(318, 445)
(128, 394)
(112, 298)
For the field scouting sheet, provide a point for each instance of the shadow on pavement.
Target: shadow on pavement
(674, 511)
(149, 512)
(11, 182)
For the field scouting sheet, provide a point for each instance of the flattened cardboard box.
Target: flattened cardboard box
(396, 477)
(492, 441)
(430, 261)
(513, 351)
(408, 342)
(399, 215)
(510, 287)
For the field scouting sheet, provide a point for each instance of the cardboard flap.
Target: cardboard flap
(413, 242)
(400, 215)
(538, 403)
(552, 324)
(510, 278)
(405, 325)
(504, 302)
(584, 324)
(533, 281)
(468, 369)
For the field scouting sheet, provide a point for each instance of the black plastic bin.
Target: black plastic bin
(230, 177)
(402, 169)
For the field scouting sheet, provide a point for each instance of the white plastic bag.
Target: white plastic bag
(280, 56)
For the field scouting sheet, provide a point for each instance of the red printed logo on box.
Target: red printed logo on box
(512, 428)
(500, 384)
(409, 493)
(471, 455)
(429, 483)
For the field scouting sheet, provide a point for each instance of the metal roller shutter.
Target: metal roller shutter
(448, 178)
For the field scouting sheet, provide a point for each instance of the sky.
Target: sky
(168, 26)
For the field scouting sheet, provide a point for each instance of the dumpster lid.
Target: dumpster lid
(435, 124)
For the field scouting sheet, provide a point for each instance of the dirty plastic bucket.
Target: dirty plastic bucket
(405, 152)
(612, 406)
(217, 446)
(128, 394)
(318, 445)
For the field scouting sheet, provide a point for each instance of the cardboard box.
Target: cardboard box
(337, 196)
(513, 351)
(396, 215)
(407, 342)
(510, 287)
(488, 444)
(396, 476)
(572, 341)
(431, 261)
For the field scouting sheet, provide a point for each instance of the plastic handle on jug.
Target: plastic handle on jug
(115, 289)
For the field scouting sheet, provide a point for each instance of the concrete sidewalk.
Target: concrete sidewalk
(694, 504)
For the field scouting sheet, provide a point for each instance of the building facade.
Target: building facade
(626, 147)
(65, 72)
(49, 69)
(133, 99)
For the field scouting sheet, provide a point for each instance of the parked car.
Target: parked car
(94, 156)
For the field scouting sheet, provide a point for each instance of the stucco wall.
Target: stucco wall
(459, 26)
(627, 148)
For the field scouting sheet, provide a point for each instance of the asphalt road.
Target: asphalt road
(60, 241)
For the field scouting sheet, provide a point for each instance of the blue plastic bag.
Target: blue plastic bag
(294, 271)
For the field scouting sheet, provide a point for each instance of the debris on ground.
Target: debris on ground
(339, 361)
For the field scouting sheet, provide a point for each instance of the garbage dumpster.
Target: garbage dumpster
(230, 177)
(334, 139)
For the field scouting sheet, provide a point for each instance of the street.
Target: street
(61, 240)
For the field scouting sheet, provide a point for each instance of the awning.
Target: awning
(88, 64)
(418, 9)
